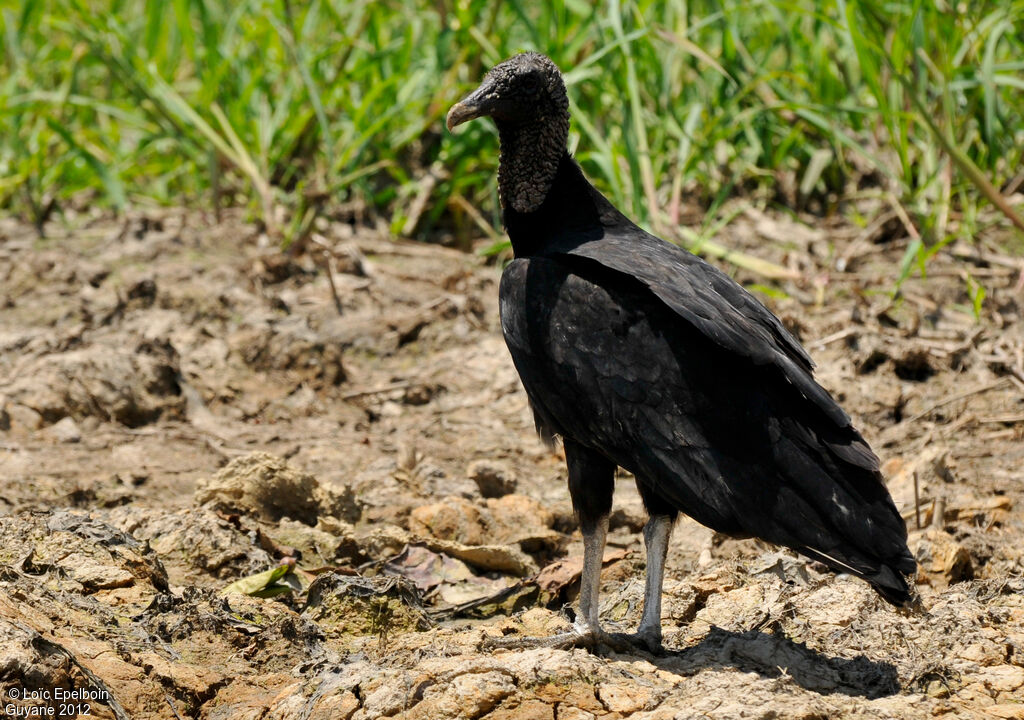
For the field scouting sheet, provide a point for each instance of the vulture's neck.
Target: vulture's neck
(530, 155)
(571, 211)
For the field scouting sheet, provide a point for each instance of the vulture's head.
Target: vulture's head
(522, 90)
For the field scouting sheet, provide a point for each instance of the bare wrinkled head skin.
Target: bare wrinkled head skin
(526, 98)
(523, 88)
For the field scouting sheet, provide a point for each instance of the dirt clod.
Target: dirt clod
(269, 488)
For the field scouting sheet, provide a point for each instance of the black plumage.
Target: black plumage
(641, 355)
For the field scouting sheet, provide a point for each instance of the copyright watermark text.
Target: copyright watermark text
(55, 702)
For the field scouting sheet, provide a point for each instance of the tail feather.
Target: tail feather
(892, 582)
(841, 513)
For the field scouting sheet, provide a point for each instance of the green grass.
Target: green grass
(293, 109)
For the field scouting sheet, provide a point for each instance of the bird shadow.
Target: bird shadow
(773, 655)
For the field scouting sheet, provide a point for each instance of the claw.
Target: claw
(592, 640)
(631, 642)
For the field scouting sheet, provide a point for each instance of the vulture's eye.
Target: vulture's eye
(530, 84)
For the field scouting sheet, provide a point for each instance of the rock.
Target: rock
(838, 603)
(984, 653)
(22, 419)
(1003, 678)
(1008, 711)
(456, 519)
(385, 701)
(197, 546)
(941, 559)
(494, 479)
(744, 607)
(197, 680)
(65, 430)
(625, 697)
(268, 487)
(345, 605)
(506, 520)
(513, 709)
(30, 661)
(576, 700)
(85, 552)
(468, 695)
(132, 385)
(316, 545)
(524, 520)
(716, 582)
(289, 344)
(383, 540)
(573, 713)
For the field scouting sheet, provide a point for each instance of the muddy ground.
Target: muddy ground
(181, 408)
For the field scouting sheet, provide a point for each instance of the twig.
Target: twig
(829, 339)
(401, 385)
(939, 513)
(328, 260)
(904, 218)
(170, 701)
(917, 502)
(963, 251)
(1008, 418)
(959, 396)
(1007, 362)
(435, 174)
(481, 222)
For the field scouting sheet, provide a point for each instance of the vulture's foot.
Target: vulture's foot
(631, 642)
(575, 638)
(582, 637)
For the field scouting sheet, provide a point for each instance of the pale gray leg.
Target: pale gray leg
(590, 582)
(656, 535)
(586, 629)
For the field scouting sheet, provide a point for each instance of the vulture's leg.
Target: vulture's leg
(656, 534)
(591, 483)
(594, 534)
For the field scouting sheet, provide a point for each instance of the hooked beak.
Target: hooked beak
(478, 103)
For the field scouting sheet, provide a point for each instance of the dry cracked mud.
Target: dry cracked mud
(182, 408)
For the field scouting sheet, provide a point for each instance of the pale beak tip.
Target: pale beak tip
(454, 116)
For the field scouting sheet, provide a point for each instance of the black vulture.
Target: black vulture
(638, 354)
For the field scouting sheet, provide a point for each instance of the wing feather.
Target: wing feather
(707, 298)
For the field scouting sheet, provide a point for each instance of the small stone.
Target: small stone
(383, 540)
(526, 710)
(942, 560)
(503, 521)
(573, 713)
(494, 479)
(983, 653)
(1004, 678)
(270, 488)
(455, 519)
(20, 417)
(65, 430)
(469, 695)
(625, 698)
